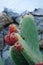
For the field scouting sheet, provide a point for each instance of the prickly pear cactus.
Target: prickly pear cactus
(28, 38)
(28, 31)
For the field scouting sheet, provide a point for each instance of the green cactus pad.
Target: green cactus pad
(1, 62)
(17, 57)
(28, 31)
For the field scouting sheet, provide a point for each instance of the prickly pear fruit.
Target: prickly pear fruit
(18, 46)
(12, 28)
(8, 41)
(41, 63)
(13, 37)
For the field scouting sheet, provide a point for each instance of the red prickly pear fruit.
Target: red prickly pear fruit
(13, 37)
(17, 46)
(12, 28)
(7, 40)
(41, 63)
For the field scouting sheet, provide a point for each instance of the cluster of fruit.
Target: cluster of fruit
(11, 38)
